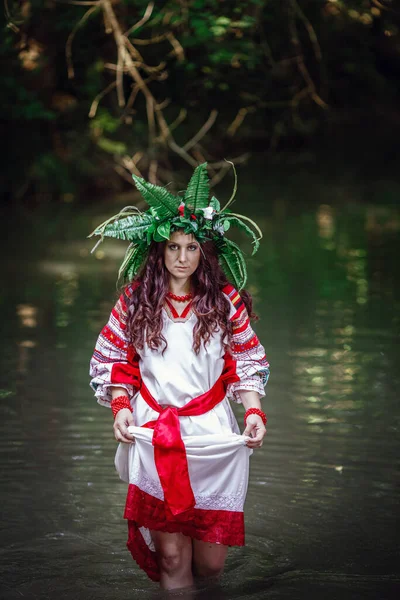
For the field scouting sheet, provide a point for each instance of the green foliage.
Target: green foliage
(164, 231)
(159, 198)
(132, 228)
(237, 56)
(232, 262)
(134, 257)
(104, 121)
(197, 191)
(214, 203)
(111, 146)
(233, 220)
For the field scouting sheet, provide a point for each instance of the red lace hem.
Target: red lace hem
(141, 553)
(143, 510)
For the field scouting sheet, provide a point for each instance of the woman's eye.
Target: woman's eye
(172, 246)
(193, 247)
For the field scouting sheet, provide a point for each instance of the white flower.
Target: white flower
(219, 227)
(208, 212)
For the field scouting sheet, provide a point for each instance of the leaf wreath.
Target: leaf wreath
(195, 214)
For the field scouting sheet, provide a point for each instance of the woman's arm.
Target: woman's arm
(255, 427)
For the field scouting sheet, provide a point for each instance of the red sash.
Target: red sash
(169, 449)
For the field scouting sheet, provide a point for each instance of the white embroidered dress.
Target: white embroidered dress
(217, 457)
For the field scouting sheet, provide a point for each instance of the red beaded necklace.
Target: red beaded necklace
(180, 298)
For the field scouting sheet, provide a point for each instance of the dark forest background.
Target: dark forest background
(94, 90)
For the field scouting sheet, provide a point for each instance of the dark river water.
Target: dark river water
(322, 511)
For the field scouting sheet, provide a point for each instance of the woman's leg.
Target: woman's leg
(208, 559)
(174, 555)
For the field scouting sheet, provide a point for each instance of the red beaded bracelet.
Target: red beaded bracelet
(118, 403)
(255, 411)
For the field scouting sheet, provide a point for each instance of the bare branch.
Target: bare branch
(11, 24)
(122, 172)
(143, 20)
(299, 59)
(137, 157)
(112, 67)
(236, 160)
(119, 81)
(132, 98)
(132, 50)
(132, 63)
(238, 120)
(153, 171)
(134, 93)
(78, 2)
(150, 108)
(179, 119)
(177, 47)
(13, 27)
(384, 7)
(219, 175)
(96, 101)
(131, 164)
(68, 45)
(149, 41)
(310, 30)
(202, 131)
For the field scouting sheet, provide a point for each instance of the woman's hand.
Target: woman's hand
(123, 419)
(255, 428)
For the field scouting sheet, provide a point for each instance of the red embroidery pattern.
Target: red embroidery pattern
(251, 363)
(114, 361)
(252, 343)
(113, 338)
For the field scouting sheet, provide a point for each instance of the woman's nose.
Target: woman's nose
(182, 255)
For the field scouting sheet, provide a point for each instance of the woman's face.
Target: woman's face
(181, 255)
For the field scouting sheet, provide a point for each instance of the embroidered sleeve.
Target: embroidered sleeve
(252, 366)
(114, 362)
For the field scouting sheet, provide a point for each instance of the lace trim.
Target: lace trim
(146, 483)
(141, 553)
(220, 502)
(214, 526)
(251, 383)
(203, 502)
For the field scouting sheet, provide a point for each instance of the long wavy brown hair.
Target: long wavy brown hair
(211, 307)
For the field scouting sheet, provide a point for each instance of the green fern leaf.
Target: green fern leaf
(239, 223)
(134, 258)
(132, 228)
(197, 192)
(165, 203)
(232, 262)
(127, 259)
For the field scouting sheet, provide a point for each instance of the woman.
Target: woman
(178, 346)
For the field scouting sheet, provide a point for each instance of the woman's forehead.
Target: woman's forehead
(182, 238)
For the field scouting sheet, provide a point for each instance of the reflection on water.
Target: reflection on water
(323, 499)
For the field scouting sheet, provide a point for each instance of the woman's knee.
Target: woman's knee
(174, 555)
(209, 569)
(209, 560)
